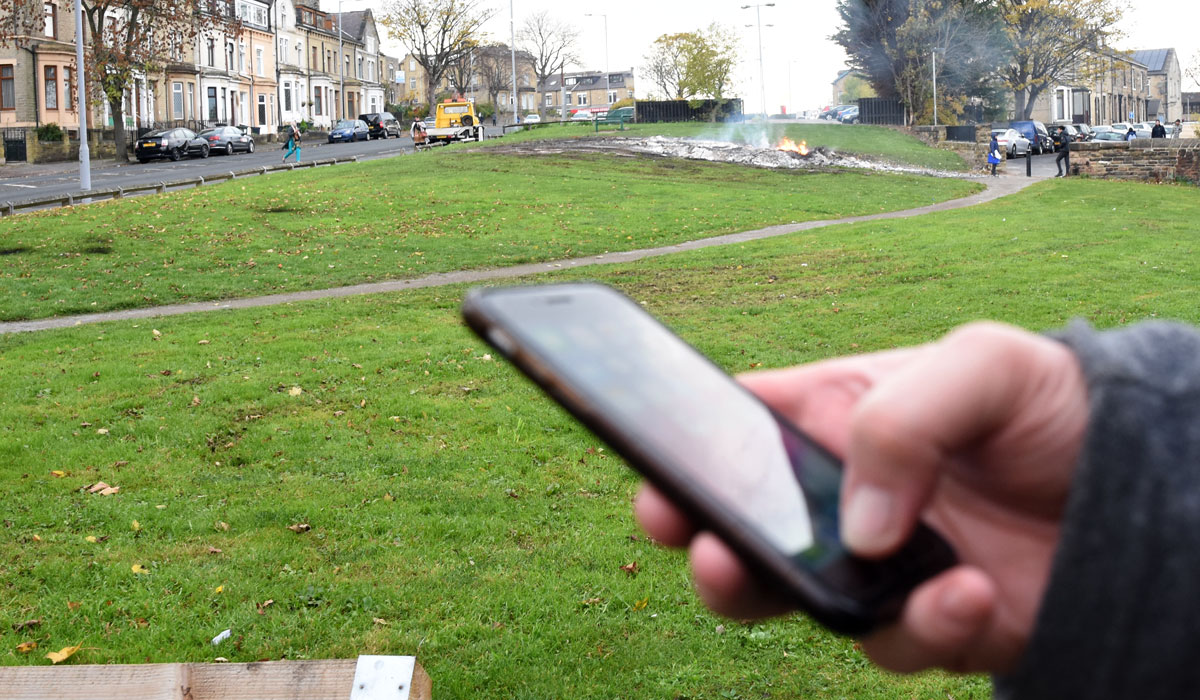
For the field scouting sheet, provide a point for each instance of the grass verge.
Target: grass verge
(454, 512)
(401, 218)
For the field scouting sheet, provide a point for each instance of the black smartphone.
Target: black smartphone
(735, 466)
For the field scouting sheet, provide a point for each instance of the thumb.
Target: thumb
(909, 427)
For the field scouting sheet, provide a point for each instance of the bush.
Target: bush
(50, 132)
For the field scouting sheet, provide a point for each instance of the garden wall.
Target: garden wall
(1140, 159)
(975, 154)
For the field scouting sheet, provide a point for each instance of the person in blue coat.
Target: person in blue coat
(994, 154)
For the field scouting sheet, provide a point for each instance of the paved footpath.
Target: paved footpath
(996, 188)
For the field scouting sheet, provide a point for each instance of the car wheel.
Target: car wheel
(250, 146)
(174, 154)
(229, 148)
(143, 161)
(204, 151)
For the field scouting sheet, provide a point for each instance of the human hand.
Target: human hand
(978, 435)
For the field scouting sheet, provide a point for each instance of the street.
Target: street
(21, 182)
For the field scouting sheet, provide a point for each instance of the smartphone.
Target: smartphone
(735, 466)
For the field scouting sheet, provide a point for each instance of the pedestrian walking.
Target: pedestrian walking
(1063, 161)
(1158, 131)
(419, 136)
(1131, 134)
(994, 154)
(293, 142)
(1177, 130)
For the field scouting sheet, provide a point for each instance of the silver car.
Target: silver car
(1011, 142)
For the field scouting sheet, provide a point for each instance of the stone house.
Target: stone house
(1105, 87)
(588, 90)
(1166, 83)
(36, 81)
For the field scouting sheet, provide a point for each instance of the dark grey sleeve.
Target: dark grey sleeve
(1121, 615)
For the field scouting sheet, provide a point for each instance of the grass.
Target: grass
(456, 514)
(401, 218)
(874, 142)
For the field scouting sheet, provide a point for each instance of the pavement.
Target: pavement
(997, 187)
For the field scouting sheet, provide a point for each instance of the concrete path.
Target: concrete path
(996, 188)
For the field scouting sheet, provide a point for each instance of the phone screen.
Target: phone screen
(675, 403)
(708, 443)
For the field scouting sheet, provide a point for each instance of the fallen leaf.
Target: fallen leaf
(295, 391)
(299, 527)
(195, 400)
(203, 342)
(63, 654)
(262, 607)
(58, 473)
(339, 414)
(157, 333)
(139, 569)
(641, 604)
(91, 538)
(26, 647)
(72, 605)
(592, 601)
(388, 497)
(362, 404)
(26, 625)
(219, 589)
(161, 506)
(37, 538)
(110, 490)
(135, 526)
(213, 550)
(631, 568)
(222, 525)
(102, 431)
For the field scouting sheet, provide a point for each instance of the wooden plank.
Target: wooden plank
(267, 680)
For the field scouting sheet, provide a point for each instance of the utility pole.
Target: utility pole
(762, 85)
(512, 28)
(935, 53)
(341, 67)
(85, 158)
(607, 74)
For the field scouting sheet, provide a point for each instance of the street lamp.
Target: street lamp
(512, 28)
(607, 78)
(762, 85)
(934, 53)
(85, 159)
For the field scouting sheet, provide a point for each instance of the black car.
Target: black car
(1035, 131)
(381, 125)
(170, 143)
(227, 140)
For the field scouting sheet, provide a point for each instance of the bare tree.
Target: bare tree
(461, 72)
(551, 44)
(437, 33)
(494, 65)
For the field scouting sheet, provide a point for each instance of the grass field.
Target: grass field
(872, 141)
(456, 514)
(401, 218)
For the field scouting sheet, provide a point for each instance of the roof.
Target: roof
(352, 23)
(586, 81)
(1155, 60)
(842, 74)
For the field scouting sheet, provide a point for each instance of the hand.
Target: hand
(977, 434)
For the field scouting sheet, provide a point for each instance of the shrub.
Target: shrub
(50, 132)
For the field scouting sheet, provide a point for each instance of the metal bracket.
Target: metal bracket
(383, 677)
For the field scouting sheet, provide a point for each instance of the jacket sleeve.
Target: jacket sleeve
(1121, 615)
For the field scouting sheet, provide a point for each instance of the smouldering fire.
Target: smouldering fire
(789, 145)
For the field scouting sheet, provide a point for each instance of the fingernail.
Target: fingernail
(867, 521)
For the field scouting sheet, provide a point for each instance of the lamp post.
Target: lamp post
(934, 53)
(607, 78)
(341, 62)
(762, 85)
(512, 28)
(85, 160)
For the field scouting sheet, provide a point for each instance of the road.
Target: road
(22, 182)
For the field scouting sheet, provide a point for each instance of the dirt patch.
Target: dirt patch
(819, 158)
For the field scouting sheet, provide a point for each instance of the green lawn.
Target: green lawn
(456, 514)
(875, 142)
(405, 217)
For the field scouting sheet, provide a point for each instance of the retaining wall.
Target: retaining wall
(1141, 159)
(975, 154)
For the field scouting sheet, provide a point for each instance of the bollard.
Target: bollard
(1029, 163)
(162, 187)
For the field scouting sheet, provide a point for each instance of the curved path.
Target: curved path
(996, 188)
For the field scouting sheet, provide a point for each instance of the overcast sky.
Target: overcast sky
(799, 60)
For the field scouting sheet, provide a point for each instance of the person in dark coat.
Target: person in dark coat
(994, 154)
(1064, 154)
(1158, 131)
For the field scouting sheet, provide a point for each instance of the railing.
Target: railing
(74, 198)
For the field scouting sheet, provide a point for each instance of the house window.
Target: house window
(68, 89)
(51, 14)
(581, 99)
(191, 100)
(283, 49)
(262, 109)
(612, 97)
(51, 87)
(212, 53)
(258, 62)
(287, 97)
(241, 57)
(229, 56)
(549, 99)
(317, 102)
(299, 55)
(359, 74)
(314, 57)
(212, 104)
(177, 99)
(346, 63)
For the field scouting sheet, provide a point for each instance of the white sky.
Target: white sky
(797, 43)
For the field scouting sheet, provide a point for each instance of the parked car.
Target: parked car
(381, 125)
(832, 112)
(1011, 142)
(618, 115)
(227, 140)
(170, 143)
(1121, 127)
(349, 130)
(837, 116)
(533, 119)
(1086, 133)
(583, 115)
(849, 116)
(1110, 135)
(1035, 131)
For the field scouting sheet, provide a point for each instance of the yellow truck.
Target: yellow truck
(455, 120)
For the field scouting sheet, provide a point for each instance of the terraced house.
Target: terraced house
(283, 61)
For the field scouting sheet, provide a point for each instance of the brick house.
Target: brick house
(36, 83)
(1166, 83)
(1105, 88)
(587, 90)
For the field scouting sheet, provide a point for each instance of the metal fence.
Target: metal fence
(687, 110)
(961, 133)
(881, 110)
(14, 145)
